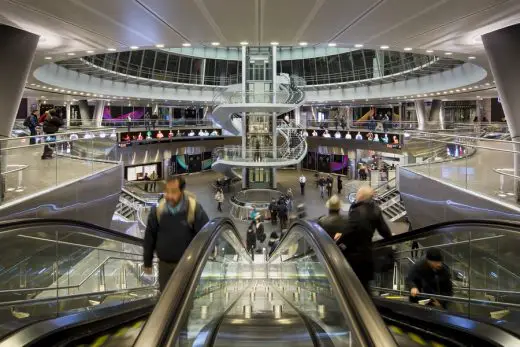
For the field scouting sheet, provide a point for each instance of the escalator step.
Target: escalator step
(100, 341)
(417, 339)
(396, 330)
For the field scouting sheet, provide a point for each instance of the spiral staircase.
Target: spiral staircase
(291, 143)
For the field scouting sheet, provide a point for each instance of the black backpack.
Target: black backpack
(27, 122)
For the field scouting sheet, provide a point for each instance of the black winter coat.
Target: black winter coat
(364, 218)
(333, 223)
(251, 238)
(428, 281)
(51, 125)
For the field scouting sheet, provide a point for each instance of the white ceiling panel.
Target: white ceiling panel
(282, 19)
(333, 17)
(185, 16)
(238, 20)
(390, 13)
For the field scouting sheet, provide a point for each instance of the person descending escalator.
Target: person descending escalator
(334, 223)
(273, 211)
(364, 218)
(322, 183)
(260, 232)
(430, 276)
(251, 239)
(171, 227)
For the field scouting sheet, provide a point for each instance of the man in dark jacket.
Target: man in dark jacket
(430, 276)
(273, 210)
(171, 227)
(51, 125)
(31, 122)
(364, 219)
(334, 224)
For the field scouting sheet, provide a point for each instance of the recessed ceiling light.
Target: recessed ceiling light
(215, 43)
(90, 52)
(472, 57)
(111, 49)
(244, 43)
(56, 89)
(48, 58)
(438, 93)
(71, 53)
(408, 48)
(418, 95)
(134, 47)
(487, 83)
(81, 93)
(88, 94)
(358, 45)
(44, 87)
(43, 97)
(457, 90)
(478, 96)
(303, 43)
(384, 47)
(186, 44)
(445, 92)
(38, 85)
(470, 88)
(451, 91)
(62, 90)
(32, 84)
(332, 44)
(429, 51)
(274, 43)
(448, 53)
(464, 89)
(159, 45)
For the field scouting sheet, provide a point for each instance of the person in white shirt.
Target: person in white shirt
(302, 180)
(192, 133)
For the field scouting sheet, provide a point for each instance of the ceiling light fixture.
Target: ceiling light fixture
(244, 43)
(472, 57)
(332, 44)
(90, 52)
(429, 51)
(384, 47)
(303, 43)
(56, 89)
(159, 45)
(444, 92)
(464, 89)
(274, 43)
(111, 49)
(215, 43)
(451, 91)
(32, 84)
(71, 54)
(457, 90)
(44, 87)
(186, 44)
(62, 90)
(134, 47)
(358, 45)
(448, 53)
(48, 58)
(408, 49)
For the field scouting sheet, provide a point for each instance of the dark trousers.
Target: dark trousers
(302, 188)
(165, 272)
(274, 217)
(32, 141)
(219, 206)
(153, 186)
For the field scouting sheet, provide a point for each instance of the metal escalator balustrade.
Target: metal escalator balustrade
(483, 261)
(57, 267)
(281, 294)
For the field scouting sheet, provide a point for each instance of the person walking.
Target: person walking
(129, 122)
(321, 185)
(219, 198)
(334, 223)
(302, 181)
(31, 122)
(364, 218)
(251, 239)
(51, 125)
(282, 213)
(146, 178)
(340, 185)
(153, 178)
(289, 199)
(330, 182)
(273, 211)
(171, 226)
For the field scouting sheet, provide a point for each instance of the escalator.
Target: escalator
(305, 294)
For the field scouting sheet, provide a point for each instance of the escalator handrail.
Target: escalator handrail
(354, 301)
(435, 228)
(7, 226)
(167, 319)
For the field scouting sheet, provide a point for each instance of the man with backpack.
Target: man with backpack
(171, 226)
(31, 122)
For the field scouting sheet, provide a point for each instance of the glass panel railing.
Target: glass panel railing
(484, 166)
(33, 164)
(481, 259)
(49, 269)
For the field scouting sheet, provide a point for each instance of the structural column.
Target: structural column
(503, 51)
(18, 49)
(275, 117)
(420, 111)
(84, 113)
(98, 112)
